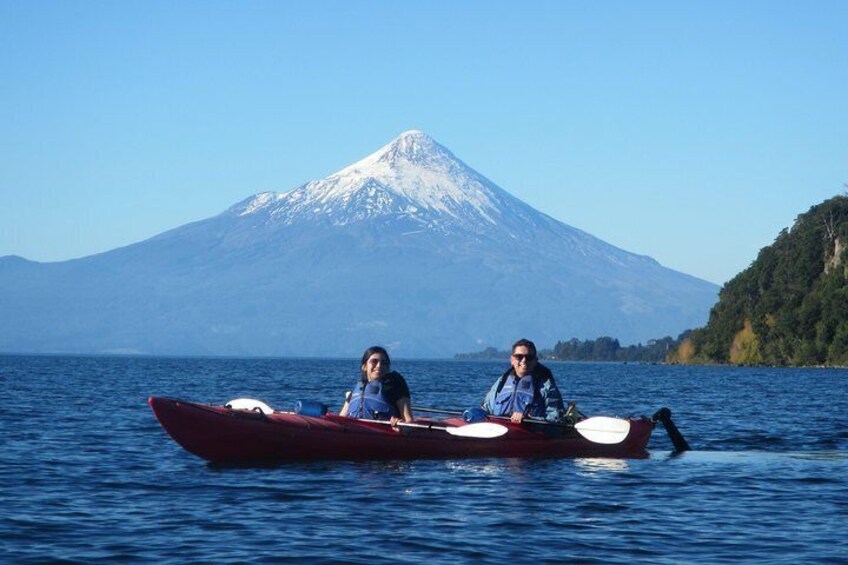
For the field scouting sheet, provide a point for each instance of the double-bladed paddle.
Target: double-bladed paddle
(249, 404)
(603, 429)
(479, 430)
(597, 429)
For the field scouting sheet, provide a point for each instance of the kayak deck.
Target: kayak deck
(224, 435)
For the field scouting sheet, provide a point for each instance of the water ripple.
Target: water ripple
(101, 482)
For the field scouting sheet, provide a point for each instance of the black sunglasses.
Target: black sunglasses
(521, 357)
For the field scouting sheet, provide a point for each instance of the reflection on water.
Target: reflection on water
(590, 465)
(491, 467)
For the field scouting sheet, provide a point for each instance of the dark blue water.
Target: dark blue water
(87, 475)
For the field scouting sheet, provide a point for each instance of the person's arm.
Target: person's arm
(397, 390)
(525, 398)
(489, 400)
(404, 409)
(553, 400)
(346, 406)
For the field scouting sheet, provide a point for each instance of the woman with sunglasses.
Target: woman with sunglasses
(380, 394)
(527, 389)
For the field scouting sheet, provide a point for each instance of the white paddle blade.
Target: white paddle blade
(603, 429)
(482, 430)
(249, 404)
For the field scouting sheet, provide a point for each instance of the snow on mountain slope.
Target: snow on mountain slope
(407, 247)
(413, 170)
(416, 180)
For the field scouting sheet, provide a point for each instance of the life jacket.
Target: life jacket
(368, 401)
(518, 395)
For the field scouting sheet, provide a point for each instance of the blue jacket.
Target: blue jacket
(535, 395)
(377, 400)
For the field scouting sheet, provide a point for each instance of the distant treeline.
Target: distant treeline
(600, 349)
(609, 349)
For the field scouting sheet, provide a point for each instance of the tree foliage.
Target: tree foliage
(609, 349)
(790, 307)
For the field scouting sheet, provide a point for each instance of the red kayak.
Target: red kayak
(227, 435)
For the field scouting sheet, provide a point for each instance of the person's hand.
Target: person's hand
(517, 417)
(394, 421)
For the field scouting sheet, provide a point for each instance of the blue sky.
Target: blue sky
(692, 132)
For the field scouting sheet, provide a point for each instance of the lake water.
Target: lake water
(87, 474)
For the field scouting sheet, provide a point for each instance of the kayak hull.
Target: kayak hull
(223, 435)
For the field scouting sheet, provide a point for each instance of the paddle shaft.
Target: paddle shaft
(405, 424)
(526, 420)
(480, 430)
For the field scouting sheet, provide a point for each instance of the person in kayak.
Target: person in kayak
(380, 394)
(527, 389)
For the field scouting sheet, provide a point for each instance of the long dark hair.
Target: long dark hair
(368, 353)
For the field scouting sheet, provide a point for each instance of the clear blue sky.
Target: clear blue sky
(692, 132)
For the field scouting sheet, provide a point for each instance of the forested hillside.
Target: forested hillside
(790, 307)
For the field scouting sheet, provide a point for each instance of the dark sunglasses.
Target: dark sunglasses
(375, 362)
(521, 357)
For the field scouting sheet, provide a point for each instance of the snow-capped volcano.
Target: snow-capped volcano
(413, 176)
(408, 247)
(415, 184)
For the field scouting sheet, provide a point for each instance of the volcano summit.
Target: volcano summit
(409, 247)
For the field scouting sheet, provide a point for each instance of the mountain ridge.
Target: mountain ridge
(395, 250)
(486, 209)
(412, 175)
